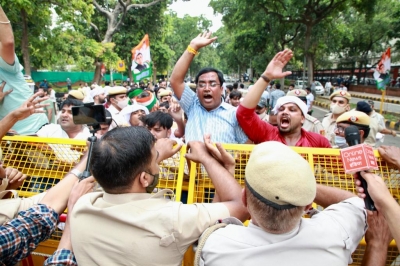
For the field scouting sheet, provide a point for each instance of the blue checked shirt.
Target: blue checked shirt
(221, 122)
(61, 257)
(20, 236)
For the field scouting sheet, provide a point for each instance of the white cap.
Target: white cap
(128, 110)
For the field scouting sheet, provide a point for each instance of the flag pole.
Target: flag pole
(382, 100)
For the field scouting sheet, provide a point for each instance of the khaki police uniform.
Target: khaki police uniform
(137, 228)
(329, 125)
(312, 124)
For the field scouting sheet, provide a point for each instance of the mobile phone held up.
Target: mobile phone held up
(89, 114)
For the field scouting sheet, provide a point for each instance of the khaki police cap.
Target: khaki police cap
(297, 92)
(269, 178)
(77, 94)
(340, 93)
(116, 90)
(354, 117)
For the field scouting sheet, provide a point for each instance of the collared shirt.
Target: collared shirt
(61, 257)
(221, 122)
(374, 128)
(328, 238)
(312, 124)
(329, 125)
(260, 131)
(14, 79)
(56, 131)
(118, 120)
(138, 228)
(20, 236)
(275, 95)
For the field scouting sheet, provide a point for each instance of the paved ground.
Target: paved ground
(388, 140)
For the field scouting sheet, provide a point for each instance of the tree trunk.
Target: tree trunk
(25, 43)
(97, 73)
(309, 60)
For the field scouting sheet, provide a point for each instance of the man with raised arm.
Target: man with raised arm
(206, 109)
(290, 110)
(16, 91)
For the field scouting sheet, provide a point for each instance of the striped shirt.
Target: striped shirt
(221, 122)
(20, 236)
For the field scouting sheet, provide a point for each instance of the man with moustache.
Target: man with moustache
(290, 110)
(206, 109)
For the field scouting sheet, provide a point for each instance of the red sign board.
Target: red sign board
(358, 158)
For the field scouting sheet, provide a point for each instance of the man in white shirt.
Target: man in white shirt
(277, 196)
(310, 100)
(67, 127)
(118, 100)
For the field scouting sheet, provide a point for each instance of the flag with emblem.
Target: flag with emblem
(382, 71)
(121, 66)
(142, 66)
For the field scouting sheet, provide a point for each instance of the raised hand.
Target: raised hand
(31, 106)
(2, 93)
(275, 67)
(166, 149)
(203, 39)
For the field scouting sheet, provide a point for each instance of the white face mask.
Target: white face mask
(337, 110)
(122, 104)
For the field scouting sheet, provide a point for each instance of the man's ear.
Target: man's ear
(361, 133)
(244, 197)
(169, 133)
(143, 179)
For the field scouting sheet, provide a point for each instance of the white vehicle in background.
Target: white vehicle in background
(299, 84)
(30, 82)
(319, 89)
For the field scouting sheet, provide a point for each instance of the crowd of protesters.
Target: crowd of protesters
(128, 222)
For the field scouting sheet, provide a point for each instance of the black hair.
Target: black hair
(108, 118)
(308, 89)
(165, 104)
(69, 101)
(162, 119)
(241, 85)
(143, 95)
(208, 70)
(364, 128)
(229, 87)
(291, 85)
(121, 155)
(235, 94)
(235, 85)
(107, 83)
(278, 86)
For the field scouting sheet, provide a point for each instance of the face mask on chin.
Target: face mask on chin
(337, 110)
(122, 104)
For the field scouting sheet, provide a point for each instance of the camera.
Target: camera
(89, 114)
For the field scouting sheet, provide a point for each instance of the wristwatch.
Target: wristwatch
(76, 172)
(265, 78)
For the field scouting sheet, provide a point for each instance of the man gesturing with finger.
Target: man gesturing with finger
(206, 109)
(290, 110)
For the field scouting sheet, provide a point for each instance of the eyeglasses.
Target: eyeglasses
(202, 85)
(340, 129)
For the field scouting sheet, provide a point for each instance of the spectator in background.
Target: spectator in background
(310, 100)
(328, 86)
(69, 84)
(49, 109)
(229, 89)
(98, 95)
(261, 109)
(104, 127)
(235, 86)
(275, 95)
(313, 88)
(291, 87)
(234, 98)
(165, 96)
(132, 115)
(375, 126)
(44, 84)
(164, 107)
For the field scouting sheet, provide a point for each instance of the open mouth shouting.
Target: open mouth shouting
(285, 122)
(207, 98)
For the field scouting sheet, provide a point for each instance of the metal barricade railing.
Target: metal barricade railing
(47, 160)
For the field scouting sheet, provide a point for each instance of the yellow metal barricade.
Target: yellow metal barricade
(46, 161)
